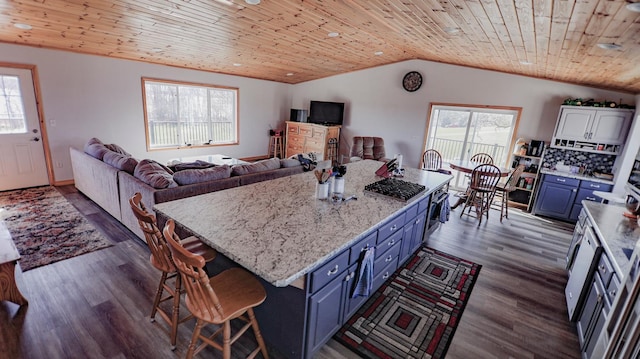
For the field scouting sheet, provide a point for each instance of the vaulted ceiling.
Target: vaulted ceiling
(293, 41)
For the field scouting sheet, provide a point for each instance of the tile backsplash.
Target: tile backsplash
(593, 162)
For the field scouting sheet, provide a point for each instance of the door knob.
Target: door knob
(35, 139)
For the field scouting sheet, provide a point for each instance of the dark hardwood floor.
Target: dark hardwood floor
(97, 305)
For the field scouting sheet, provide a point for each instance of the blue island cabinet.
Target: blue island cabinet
(314, 312)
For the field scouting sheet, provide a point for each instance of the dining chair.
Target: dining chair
(161, 259)
(482, 158)
(484, 179)
(504, 189)
(232, 294)
(431, 160)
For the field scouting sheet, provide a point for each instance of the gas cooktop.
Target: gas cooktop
(395, 188)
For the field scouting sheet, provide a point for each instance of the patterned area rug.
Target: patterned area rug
(46, 228)
(416, 312)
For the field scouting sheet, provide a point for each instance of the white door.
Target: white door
(22, 159)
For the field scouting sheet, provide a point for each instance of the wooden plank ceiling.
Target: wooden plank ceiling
(288, 40)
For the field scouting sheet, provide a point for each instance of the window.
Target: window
(12, 117)
(186, 114)
(458, 132)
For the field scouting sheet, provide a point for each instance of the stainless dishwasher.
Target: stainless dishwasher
(583, 265)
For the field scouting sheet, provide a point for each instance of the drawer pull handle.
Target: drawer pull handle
(613, 293)
(594, 185)
(333, 271)
(386, 275)
(602, 269)
(591, 198)
(393, 228)
(388, 259)
(417, 220)
(392, 242)
(561, 180)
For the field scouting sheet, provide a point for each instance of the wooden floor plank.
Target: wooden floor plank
(97, 305)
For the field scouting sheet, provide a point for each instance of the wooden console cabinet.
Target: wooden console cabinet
(309, 137)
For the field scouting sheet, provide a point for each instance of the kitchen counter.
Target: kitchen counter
(576, 176)
(614, 230)
(279, 231)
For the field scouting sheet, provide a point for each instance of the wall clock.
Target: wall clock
(412, 81)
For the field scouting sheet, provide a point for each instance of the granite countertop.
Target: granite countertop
(576, 176)
(614, 230)
(278, 230)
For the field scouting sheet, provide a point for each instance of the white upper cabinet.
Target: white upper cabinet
(593, 129)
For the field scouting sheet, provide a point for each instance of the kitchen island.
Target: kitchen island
(306, 250)
(598, 258)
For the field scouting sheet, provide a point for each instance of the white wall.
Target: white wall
(92, 96)
(377, 105)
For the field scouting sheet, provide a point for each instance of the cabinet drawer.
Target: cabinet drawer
(390, 227)
(293, 149)
(366, 242)
(563, 180)
(390, 242)
(384, 274)
(411, 213)
(605, 269)
(596, 186)
(314, 145)
(318, 134)
(295, 140)
(587, 195)
(390, 256)
(292, 129)
(329, 271)
(424, 203)
(612, 289)
(306, 131)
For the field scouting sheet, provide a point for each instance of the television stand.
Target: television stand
(310, 137)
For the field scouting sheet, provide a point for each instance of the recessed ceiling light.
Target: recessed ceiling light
(634, 7)
(23, 26)
(156, 49)
(378, 53)
(252, 2)
(333, 34)
(289, 73)
(451, 30)
(525, 62)
(609, 46)
(237, 64)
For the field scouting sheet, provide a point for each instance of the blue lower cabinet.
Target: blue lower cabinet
(555, 200)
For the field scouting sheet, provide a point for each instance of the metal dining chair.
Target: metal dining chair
(504, 189)
(484, 179)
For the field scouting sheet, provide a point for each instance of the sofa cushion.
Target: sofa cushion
(197, 175)
(198, 164)
(95, 148)
(154, 174)
(117, 149)
(289, 162)
(120, 161)
(260, 166)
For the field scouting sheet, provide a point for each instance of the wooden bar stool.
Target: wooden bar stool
(276, 146)
(161, 259)
(218, 300)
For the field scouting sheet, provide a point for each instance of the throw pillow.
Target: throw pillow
(120, 161)
(198, 164)
(117, 149)
(95, 148)
(154, 174)
(197, 175)
(260, 166)
(289, 162)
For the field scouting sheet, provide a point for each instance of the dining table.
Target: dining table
(467, 166)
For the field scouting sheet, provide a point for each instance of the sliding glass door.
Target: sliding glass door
(459, 132)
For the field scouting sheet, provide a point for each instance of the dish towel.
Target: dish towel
(364, 276)
(445, 209)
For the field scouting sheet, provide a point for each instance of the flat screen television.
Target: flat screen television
(326, 113)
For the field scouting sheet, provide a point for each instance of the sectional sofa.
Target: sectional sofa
(109, 176)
